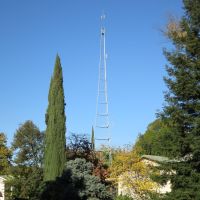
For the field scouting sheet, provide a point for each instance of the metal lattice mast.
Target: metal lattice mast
(102, 124)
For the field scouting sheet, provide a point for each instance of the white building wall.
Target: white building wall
(165, 188)
(162, 189)
(2, 188)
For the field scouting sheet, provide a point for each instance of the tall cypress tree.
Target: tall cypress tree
(182, 110)
(93, 139)
(55, 141)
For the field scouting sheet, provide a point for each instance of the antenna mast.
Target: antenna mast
(102, 124)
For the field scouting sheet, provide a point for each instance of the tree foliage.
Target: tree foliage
(77, 183)
(26, 173)
(80, 147)
(26, 183)
(5, 155)
(182, 109)
(156, 140)
(28, 145)
(134, 175)
(93, 186)
(55, 141)
(121, 197)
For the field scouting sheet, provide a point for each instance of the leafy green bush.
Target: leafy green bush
(77, 183)
(123, 197)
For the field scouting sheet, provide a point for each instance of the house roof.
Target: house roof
(159, 159)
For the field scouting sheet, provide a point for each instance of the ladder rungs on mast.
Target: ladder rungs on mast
(103, 103)
(105, 114)
(102, 126)
(102, 139)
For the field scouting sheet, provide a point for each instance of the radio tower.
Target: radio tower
(102, 125)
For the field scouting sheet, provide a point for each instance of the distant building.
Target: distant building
(154, 161)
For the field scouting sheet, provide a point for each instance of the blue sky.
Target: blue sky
(33, 32)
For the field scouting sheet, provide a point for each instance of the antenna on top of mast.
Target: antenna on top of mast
(103, 16)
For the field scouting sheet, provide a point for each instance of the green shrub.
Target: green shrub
(123, 197)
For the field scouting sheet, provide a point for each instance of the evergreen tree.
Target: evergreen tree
(5, 155)
(182, 109)
(156, 140)
(28, 145)
(77, 183)
(26, 173)
(93, 139)
(55, 141)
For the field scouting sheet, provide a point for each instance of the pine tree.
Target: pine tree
(55, 141)
(92, 139)
(182, 109)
